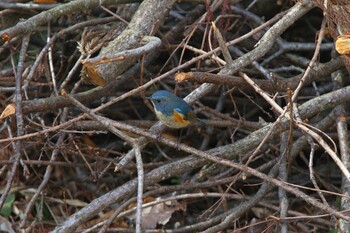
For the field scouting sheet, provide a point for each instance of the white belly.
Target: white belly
(170, 122)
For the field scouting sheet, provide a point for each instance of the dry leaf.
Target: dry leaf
(9, 111)
(75, 202)
(89, 74)
(159, 214)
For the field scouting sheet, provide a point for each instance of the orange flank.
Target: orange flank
(178, 117)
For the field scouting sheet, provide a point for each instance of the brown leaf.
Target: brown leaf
(159, 213)
(9, 111)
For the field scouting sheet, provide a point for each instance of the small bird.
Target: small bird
(173, 111)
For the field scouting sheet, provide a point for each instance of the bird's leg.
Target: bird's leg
(179, 139)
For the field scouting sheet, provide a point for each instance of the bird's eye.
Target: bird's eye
(158, 101)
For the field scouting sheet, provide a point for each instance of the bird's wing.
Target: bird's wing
(180, 111)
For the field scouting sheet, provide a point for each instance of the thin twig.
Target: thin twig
(19, 116)
(302, 126)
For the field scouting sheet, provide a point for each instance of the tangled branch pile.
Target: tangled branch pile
(82, 150)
